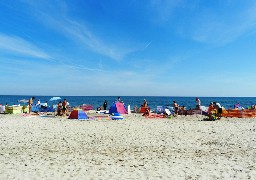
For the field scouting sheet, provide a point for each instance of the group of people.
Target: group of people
(41, 105)
(214, 110)
(62, 108)
(104, 107)
(105, 104)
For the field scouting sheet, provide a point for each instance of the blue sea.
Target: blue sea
(153, 101)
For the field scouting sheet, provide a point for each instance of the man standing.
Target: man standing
(30, 104)
(198, 103)
(105, 104)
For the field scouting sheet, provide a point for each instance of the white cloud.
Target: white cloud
(20, 46)
(163, 9)
(55, 16)
(219, 28)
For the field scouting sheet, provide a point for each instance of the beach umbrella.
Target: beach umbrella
(55, 98)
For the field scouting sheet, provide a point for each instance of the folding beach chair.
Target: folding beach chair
(159, 109)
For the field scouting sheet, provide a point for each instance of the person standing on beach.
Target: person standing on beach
(30, 104)
(105, 104)
(145, 103)
(198, 103)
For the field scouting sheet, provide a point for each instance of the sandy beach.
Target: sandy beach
(184, 147)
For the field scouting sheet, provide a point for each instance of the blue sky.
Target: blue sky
(128, 47)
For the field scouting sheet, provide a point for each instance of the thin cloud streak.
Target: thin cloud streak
(80, 33)
(147, 45)
(18, 45)
(163, 9)
(81, 67)
(213, 30)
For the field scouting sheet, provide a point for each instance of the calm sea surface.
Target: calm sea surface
(153, 101)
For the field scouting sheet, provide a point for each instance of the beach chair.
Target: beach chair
(35, 108)
(160, 109)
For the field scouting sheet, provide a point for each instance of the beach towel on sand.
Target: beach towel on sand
(153, 115)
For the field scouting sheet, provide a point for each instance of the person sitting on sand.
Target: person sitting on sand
(176, 108)
(183, 110)
(99, 108)
(136, 109)
(211, 110)
(44, 105)
(59, 109)
(218, 108)
(64, 107)
(146, 113)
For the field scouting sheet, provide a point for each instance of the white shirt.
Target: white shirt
(218, 105)
(198, 102)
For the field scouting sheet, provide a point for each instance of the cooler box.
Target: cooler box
(14, 109)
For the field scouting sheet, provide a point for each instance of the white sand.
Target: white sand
(135, 148)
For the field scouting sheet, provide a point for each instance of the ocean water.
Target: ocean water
(153, 101)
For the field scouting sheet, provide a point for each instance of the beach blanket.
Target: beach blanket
(86, 107)
(153, 115)
(99, 117)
